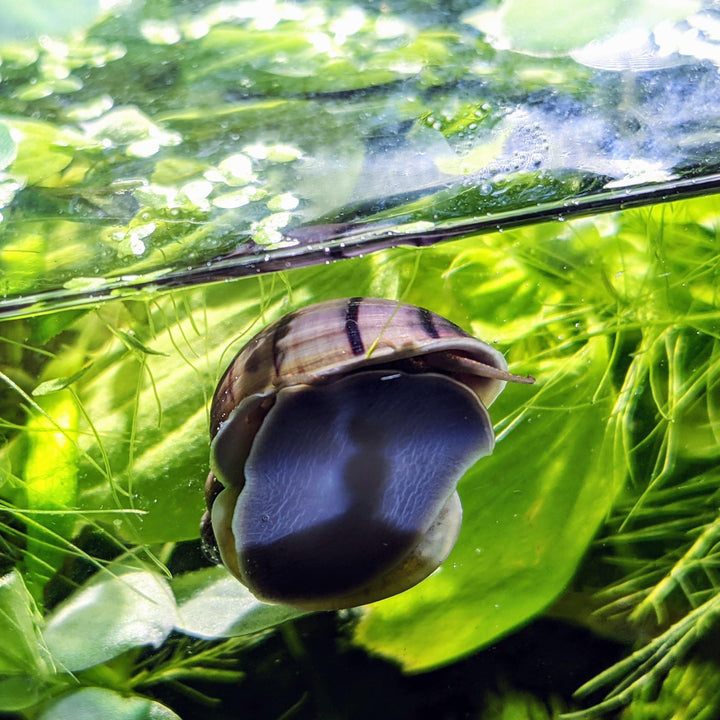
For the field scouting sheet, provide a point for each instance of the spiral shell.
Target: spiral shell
(339, 434)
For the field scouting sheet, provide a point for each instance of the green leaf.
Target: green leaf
(212, 603)
(51, 479)
(43, 149)
(164, 398)
(131, 341)
(20, 692)
(44, 328)
(530, 512)
(22, 651)
(56, 384)
(102, 703)
(8, 147)
(119, 609)
(555, 27)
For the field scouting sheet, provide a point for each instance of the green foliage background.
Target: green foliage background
(598, 507)
(625, 351)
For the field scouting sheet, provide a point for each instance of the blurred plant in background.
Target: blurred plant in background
(105, 419)
(160, 137)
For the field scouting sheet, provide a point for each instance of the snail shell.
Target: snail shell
(339, 434)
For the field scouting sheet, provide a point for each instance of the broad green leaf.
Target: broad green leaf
(8, 147)
(153, 409)
(21, 261)
(116, 610)
(36, 139)
(212, 603)
(102, 703)
(45, 327)
(150, 411)
(51, 480)
(555, 27)
(530, 511)
(22, 650)
(20, 691)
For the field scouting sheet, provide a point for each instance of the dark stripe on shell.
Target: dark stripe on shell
(282, 329)
(428, 325)
(254, 361)
(451, 327)
(352, 329)
(230, 390)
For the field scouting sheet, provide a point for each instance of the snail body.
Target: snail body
(339, 434)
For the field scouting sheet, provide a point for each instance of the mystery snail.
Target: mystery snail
(339, 434)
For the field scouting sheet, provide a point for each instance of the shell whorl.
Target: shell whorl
(336, 337)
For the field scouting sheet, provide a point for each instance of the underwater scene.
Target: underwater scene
(360, 359)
